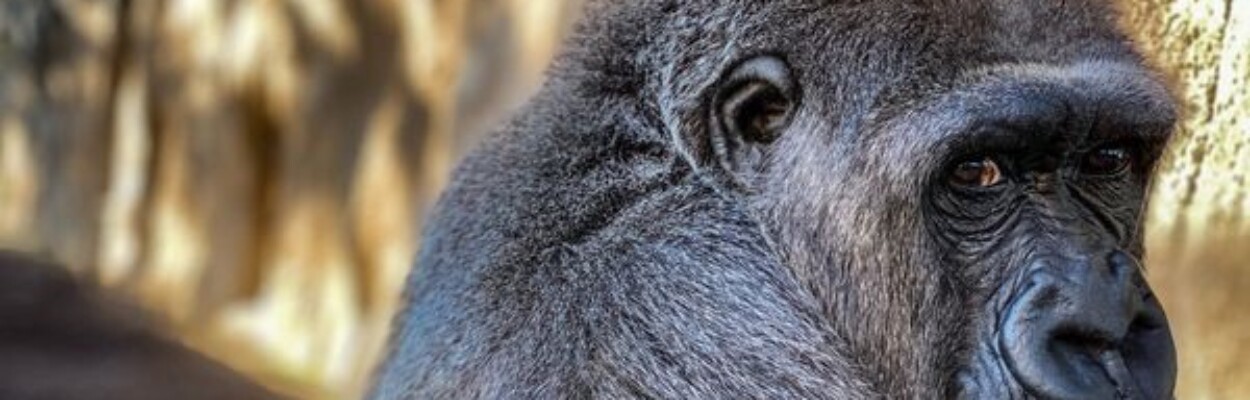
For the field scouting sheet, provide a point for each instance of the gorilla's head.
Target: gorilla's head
(960, 184)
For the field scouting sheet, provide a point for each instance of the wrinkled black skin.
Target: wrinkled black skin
(606, 243)
(65, 339)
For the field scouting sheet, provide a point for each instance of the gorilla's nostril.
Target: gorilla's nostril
(1083, 343)
(1080, 331)
(1079, 355)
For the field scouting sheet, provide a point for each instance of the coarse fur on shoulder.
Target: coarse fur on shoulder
(65, 339)
(578, 253)
(606, 243)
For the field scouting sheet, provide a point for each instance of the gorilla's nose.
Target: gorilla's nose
(1089, 329)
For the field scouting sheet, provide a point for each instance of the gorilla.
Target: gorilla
(63, 339)
(808, 199)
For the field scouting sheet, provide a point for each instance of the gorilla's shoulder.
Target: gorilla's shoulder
(35, 289)
(62, 338)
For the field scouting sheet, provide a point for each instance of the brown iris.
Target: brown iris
(977, 172)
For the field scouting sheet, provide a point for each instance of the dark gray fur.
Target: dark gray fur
(594, 248)
(65, 339)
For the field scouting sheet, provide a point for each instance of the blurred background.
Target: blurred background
(256, 171)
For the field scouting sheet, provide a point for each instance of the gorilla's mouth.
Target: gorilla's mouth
(1080, 333)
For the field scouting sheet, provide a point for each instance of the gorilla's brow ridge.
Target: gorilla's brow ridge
(1085, 102)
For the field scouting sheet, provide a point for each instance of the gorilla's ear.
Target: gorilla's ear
(757, 100)
(753, 104)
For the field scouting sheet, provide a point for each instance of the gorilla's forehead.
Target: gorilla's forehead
(856, 47)
(1080, 102)
(928, 66)
(947, 33)
(880, 58)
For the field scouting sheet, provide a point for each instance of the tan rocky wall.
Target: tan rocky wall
(1199, 224)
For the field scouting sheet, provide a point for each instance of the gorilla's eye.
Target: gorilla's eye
(977, 172)
(1111, 160)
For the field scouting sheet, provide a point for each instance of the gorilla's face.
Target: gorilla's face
(980, 236)
(1036, 177)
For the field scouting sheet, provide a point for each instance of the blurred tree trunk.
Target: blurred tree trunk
(253, 169)
(55, 94)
